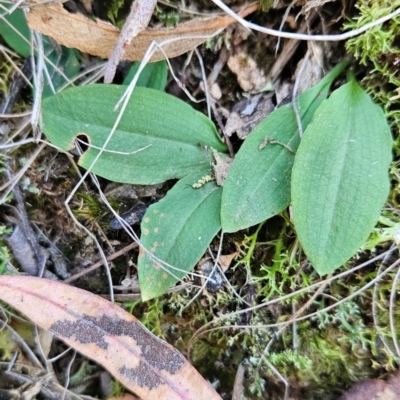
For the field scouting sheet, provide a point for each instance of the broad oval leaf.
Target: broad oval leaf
(258, 183)
(159, 137)
(340, 177)
(178, 230)
(107, 334)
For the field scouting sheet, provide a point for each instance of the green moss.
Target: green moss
(92, 210)
(378, 49)
(115, 11)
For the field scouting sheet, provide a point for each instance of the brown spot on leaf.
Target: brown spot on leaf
(147, 219)
(146, 231)
(154, 354)
(165, 276)
(82, 330)
(156, 230)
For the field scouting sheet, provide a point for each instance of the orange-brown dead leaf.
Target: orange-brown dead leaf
(225, 261)
(98, 38)
(107, 334)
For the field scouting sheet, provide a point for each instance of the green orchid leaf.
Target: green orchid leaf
(61, 63)
(178, 230)
(258, 182)
(14, 30)
(340, 177)
(153, 76)
(158, 138)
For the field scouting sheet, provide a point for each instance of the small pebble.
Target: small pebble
(131, 217)
(216, 279)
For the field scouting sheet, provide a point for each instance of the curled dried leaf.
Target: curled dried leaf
(98, 38)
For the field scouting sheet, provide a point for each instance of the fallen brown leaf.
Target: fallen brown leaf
(225, 261)
(98, 38)
(374, 389)
(107, 334)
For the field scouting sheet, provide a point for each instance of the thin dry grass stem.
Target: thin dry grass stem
(288, 50)
(375, 301)
(11, 363)
(205, 83)
(101, 263)
(124, 153)
(285, 15)
(183, 9)
(37, 73)
(10, 314)
(16, 5)
(219, 65)
(22, 126)
(216, 261)
(295, 344)
(68, 372)
(300, 36)
(35, 45)
(278, 374)
(15, 67)
(294, 318)
(295, 92)
(204, 329)
(90, 234)
(39, 345)
(57, 357)
(8, 365)
(294, 252)
(209, 278)
(21, 342)
(16, 115)
(44, 3)
(5, 49)
(98, 72)
(392, 313)
(153, 47)
(20, 173)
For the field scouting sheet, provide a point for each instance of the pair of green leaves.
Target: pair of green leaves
(337, 180)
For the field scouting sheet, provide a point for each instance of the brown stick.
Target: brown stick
(100, 263)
